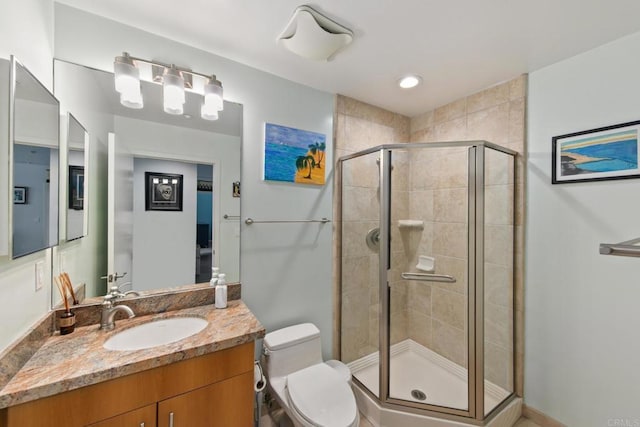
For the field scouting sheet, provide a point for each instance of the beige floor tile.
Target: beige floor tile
(364, 422)
(266, 421)
(525, 422)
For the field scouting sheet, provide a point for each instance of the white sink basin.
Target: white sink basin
(155, 333)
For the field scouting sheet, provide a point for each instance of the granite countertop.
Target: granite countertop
(79, 359)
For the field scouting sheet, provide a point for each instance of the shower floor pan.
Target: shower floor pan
(415, 368)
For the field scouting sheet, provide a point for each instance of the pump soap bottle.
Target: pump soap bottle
(214, 276)
(221, 292)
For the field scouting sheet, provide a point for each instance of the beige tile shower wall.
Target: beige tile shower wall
(360, 126)
(438, 193)
(497, 115)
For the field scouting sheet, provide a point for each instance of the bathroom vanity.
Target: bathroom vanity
(202, 380)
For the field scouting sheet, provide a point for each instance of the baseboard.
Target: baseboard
(540, 418)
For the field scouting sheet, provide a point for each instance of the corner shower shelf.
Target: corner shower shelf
(411, 224)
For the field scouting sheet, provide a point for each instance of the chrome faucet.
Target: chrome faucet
(115, 291)
(114, 288)
(109, 311)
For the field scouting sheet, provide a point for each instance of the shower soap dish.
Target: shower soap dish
(426, 263)
(411, 223)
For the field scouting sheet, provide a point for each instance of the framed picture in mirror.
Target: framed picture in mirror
(20, 195)
(76, 187)
(163, 191)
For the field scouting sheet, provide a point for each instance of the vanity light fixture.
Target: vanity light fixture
(173, 91)
(127, 81)
(409, 81)
(128, 71)
(212, 99)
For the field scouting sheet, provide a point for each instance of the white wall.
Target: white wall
(285, 269)
(26, 30)
(164, 243)
(582, 339)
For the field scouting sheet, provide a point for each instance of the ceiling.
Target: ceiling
(458, 46)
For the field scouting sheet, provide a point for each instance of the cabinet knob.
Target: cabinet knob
(141, 424)
(170, 419)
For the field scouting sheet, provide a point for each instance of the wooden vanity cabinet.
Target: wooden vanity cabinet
(216, 405)
(206, 391)
(143, 417)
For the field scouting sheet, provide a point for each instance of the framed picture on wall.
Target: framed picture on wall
(76, 187)
(294, 155)
(597, 154)
(163, 191)
(20, 195)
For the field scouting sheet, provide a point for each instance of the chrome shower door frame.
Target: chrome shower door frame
(474, 414)
(385, 317)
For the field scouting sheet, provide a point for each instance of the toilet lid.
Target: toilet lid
(321, 396)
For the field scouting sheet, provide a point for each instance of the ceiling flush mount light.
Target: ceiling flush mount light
(312, 35)
(409, 81)
(174, 80)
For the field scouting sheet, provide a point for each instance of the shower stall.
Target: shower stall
(426, 320)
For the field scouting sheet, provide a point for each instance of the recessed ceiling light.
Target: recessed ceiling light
(410, 81)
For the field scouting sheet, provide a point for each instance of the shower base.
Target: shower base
(441, 382)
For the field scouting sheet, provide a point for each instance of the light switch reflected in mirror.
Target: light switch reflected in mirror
(34, 130)
(77, 182)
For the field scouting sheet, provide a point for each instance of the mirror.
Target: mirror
(76, 188)
(5, 194)
(137, 158)
(34, 154)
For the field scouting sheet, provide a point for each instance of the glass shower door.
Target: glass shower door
(428, 298)
(498, 298)
(360, 309)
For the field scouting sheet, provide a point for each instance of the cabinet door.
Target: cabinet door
(143, 417)
(227, 403)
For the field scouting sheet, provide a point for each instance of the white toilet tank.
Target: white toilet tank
(290, 349)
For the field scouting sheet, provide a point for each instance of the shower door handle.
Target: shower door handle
(427, 277)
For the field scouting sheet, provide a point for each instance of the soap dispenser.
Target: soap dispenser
(221, 292)
(214, 276)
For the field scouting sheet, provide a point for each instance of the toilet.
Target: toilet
(313, 393)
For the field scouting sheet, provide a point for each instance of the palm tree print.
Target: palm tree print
(306, 162)
(317, 149)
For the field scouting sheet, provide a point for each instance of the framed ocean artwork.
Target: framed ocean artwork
(598, 154)
(294, 155)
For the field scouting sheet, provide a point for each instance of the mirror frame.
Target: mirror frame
(14, 63)
(5, 143)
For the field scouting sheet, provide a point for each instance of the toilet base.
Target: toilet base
(280, 418)
(277, 411)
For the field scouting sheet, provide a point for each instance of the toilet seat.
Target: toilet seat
(320, 396)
